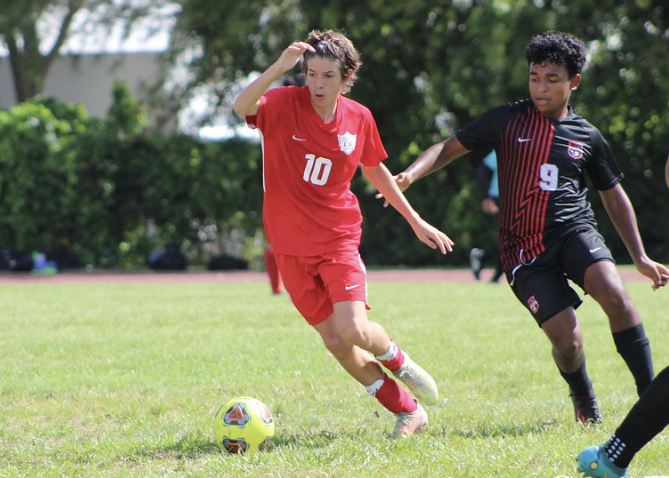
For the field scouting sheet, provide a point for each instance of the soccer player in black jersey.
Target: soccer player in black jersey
(648, 417)
(548, 233)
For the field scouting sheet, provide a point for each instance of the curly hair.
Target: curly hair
(557, 48)
(333, 45)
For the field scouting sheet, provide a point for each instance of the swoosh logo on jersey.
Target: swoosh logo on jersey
(594, 250)
(350, 287)
(298, 139)
(524, 140)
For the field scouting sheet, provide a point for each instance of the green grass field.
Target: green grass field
(123, 380)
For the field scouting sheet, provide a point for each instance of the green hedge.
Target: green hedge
(109, 192)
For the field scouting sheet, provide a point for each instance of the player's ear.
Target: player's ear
(575, 81)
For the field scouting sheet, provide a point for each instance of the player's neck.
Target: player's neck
(557, 115)
(327, 113)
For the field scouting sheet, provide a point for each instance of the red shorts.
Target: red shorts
(315, 283)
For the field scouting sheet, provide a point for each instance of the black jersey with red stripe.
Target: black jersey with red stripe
(542, 164)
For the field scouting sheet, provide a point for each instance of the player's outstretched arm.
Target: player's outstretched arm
(620, 209)
(432, 159)
(382, 180)
(248, 101)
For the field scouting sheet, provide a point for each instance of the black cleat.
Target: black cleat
(585, 408)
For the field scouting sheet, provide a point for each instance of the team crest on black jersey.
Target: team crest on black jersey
(347, 142)
(575, 149)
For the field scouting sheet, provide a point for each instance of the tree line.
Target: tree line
(429, 67)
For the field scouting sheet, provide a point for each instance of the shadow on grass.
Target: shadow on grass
(188, 447)
(194, 447)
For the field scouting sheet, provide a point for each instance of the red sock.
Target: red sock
(395, 398)
(272, 270)
(396, 362)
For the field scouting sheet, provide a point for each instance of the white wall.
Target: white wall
(88, 79)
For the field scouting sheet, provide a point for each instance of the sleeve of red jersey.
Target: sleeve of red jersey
(373, 150)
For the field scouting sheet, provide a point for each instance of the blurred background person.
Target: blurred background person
(486, 177)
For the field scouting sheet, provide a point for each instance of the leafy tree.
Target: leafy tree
(626, 95)
(35, 32)
(431, 66)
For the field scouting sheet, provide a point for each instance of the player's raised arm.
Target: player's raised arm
(248, 100)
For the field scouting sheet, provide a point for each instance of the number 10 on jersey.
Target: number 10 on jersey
(317, 170)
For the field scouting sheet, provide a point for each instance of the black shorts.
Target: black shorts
(542, 284)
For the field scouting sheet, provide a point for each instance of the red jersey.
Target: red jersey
(308, 165)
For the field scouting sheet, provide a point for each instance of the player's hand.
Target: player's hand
(655, 271)
(432, 236)
(403, 181)
(489, 206)
(292, 54)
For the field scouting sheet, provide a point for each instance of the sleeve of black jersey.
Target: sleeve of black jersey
(602, 167)
(485, 131)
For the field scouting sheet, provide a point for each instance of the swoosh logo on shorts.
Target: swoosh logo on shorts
(349, 287)
(594, 250)
(298, 139)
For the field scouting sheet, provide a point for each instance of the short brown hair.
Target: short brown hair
(330, 44)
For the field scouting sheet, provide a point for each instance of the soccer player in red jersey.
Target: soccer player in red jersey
(313, 139)
(547, 231)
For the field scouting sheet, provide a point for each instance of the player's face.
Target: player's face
(550, 88)
(325, 81)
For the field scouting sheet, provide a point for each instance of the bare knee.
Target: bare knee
(568, 347)
(566, 338)
(568, 354)
(615, 298)
(620, 310)
(338, 346)
(606, 286)
(356, 333)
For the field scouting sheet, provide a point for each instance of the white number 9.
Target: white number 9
(549, 177)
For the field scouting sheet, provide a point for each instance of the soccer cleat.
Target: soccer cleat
(420, 382)
(585, 408)
(594, 463)
(409, 423)
(475, 262)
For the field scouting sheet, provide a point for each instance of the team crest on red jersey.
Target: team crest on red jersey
(575, 149)
(347, 142)
(533, 304)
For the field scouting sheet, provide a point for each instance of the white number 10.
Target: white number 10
(317, 170)
(549, 177)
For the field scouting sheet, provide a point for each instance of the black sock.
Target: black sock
(578, 381)
(634, 347)
(648, 417)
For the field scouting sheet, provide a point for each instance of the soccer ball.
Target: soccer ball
(243, 425)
